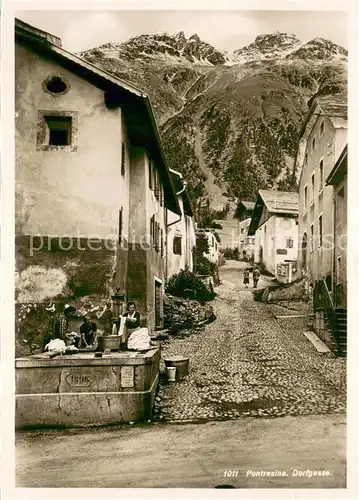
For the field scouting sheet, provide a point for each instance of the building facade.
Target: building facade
(213, 247)
(275, 227)
(323, 138)
(92, 185)
(180, 231)
(338, 178)
(246, 244)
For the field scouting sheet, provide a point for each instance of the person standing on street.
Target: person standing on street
(246, 277)
(256, 275)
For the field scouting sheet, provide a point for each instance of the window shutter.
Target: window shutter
(123, 152)
(151, 230)
(157, 242)
(161, 194)
(156, 183)
(150, 169)
(120, 217)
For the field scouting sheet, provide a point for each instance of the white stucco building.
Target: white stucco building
(213, 252)
(275, 226)
(246, 244)
(181, 236)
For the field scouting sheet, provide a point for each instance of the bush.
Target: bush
(187, 285)
(231, 253)
(221, 260)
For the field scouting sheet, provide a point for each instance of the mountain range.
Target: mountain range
(229, 121)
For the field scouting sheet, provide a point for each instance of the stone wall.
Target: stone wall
(183, 313)
(50, 277)
(295, 291)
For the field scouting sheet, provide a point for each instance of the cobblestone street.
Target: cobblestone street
(248, 363)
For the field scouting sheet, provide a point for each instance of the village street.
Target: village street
(248, 363)
(245, 367)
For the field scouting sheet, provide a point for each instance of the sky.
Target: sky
(226, 30)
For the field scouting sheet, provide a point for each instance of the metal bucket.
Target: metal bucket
(111, 342)
(171, 374)
(180, 363)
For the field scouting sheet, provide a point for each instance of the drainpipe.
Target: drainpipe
(171, 224)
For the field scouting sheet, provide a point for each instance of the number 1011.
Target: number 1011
(230, 473)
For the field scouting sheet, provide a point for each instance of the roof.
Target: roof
(180, 186)
(335, 108)
(332, 106)
(339, 170)
(277, 203)
(139, 117)
(248, 205)
(244, 209)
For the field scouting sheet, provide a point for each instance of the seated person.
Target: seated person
(133, 317)
(88, 331)
(59, 327)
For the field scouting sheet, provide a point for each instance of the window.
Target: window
(313, 186)
(289, 243)
(320, 225)
(162, 244)
(322, 128)
(321, 175)
(177, 245)
(313, 144)
(212, 241)
(123, 159)
(305, 158)
(57, 131)
(55, 85)
(305, 198)
(311, 238)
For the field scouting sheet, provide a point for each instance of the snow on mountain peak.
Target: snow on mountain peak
(266, 46)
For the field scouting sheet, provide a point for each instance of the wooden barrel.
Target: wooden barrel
(180, 363)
